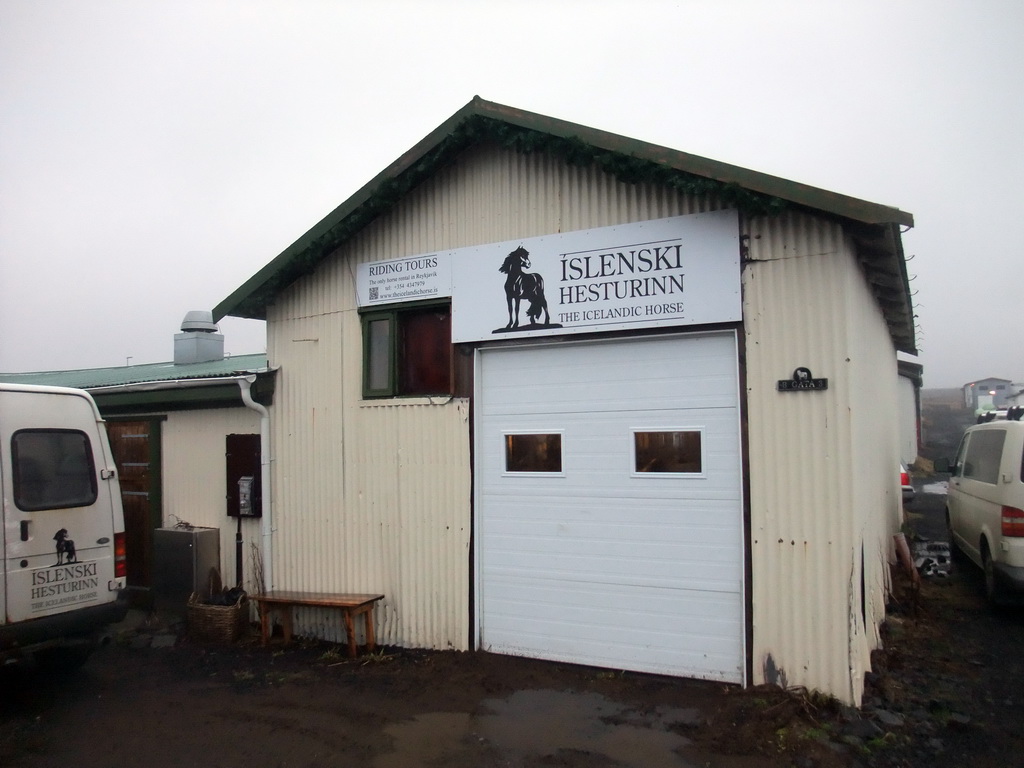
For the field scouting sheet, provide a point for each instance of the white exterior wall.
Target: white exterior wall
(195, 479)
(368, 496)
(823, 484)
(374, 496)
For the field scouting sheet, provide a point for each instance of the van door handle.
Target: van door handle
(24, 530)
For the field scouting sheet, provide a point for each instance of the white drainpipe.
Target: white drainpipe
(266, 520)
(244, 384)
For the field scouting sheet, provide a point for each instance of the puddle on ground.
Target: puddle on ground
(426, 740)
(541, 723)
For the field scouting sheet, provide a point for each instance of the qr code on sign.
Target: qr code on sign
(374, 294)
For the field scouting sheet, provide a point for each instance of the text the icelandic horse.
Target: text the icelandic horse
(523, 286)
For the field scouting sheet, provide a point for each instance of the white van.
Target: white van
(63, 526)
(985, 504)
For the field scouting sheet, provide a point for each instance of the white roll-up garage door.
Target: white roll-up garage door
(609, 508)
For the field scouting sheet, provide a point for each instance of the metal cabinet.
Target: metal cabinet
(182, 561)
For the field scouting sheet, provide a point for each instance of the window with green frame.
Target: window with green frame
(407, 351)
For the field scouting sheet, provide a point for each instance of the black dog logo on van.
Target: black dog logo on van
(65, 548)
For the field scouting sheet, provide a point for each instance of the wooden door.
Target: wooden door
(136, 449)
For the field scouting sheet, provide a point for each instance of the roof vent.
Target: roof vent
(198, 341)
(199, 320)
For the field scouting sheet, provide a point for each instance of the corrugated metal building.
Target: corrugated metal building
(561, 393)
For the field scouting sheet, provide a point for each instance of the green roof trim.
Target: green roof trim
(194, 398)
(628, 160)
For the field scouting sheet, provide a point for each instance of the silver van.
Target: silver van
(63, 527)
(985, 505)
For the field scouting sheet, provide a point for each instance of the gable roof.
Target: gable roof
(875, 228)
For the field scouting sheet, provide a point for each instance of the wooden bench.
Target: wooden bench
(351, 606)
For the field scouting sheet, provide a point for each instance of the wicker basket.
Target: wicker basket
(217, 623)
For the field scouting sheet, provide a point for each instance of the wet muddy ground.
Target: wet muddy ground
(187, 705)
(946, 690)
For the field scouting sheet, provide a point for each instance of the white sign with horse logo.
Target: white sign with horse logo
(678, 271)
(666, 272)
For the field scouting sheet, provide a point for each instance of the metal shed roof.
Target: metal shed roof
(128, 389)
(875, 228)
(123, 375)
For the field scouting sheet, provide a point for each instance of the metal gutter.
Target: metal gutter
(154, 386)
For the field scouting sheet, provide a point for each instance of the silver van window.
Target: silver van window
(53, 469)
(984, 454)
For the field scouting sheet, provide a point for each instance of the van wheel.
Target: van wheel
(991, 588)
(955, 552)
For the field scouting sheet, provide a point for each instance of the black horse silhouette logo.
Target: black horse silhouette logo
(520, 286)
(65, 548)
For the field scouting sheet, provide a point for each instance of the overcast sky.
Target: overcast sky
(155, 155)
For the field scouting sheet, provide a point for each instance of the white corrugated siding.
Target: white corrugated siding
(195, 478)
(376, 496)
(370, 497)
(822, 464)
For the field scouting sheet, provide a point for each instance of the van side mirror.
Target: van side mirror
(941, 465)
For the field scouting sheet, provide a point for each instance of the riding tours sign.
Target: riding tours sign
(411, 279)
(667, 272)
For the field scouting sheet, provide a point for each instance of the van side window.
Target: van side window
(53, 469)
(984, 453)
